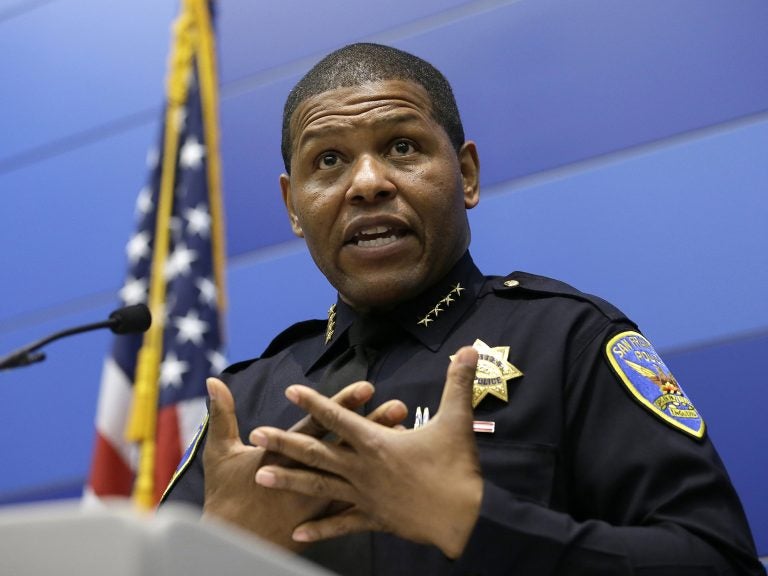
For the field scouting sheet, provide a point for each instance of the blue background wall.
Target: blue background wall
(623, 149)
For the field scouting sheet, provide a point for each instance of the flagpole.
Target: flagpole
(210, 105)
(142, 422)
(152, 394)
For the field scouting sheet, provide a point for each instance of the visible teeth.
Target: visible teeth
(377, 241)
(373, 230)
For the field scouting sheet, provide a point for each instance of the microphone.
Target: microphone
(130, 319)
(127, 320)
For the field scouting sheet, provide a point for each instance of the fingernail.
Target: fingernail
(394, 412)
(292, 394)
(211, 389)
(362, 391)
(265, 478)
(258, 438)
(359, 393)
(302, 535)
(465, 356)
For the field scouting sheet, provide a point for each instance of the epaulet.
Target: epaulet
(290, 335)
(294, 333)
(238, 366)
(523, 282)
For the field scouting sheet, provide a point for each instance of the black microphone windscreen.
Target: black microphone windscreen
(130, 319)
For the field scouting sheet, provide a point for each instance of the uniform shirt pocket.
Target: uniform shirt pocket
(526, 470)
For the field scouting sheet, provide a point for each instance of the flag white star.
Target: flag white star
(198, 220)
(171, 370)
(144, 201)
(134, 291)
(191, 328)
(138, 247)
(180, 261)
(207, 291)
(191, 154)
(218, 361)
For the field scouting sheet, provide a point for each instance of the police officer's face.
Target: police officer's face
(378, 191)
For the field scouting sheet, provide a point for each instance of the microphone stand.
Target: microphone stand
(29, 355)
(126, 320)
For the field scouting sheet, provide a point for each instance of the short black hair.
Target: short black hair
(361, 63)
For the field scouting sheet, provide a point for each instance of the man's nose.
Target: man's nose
(371, 180)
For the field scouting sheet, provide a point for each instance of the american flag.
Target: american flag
(191, 318)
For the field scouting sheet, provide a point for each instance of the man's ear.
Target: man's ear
(285, 187)
(469, 163)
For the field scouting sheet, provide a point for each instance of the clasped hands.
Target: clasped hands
(423, 485)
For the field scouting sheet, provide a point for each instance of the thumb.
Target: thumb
(456, 401)
(222, 421)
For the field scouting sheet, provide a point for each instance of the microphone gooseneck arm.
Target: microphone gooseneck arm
(123, 321)
(28, 355)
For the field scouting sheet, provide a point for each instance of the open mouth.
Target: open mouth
(375, 236)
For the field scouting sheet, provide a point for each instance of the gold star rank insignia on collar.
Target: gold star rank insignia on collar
(492, 373)
(447, 301)
(331, 326)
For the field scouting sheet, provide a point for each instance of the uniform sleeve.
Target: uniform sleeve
(641, 497)
(188, 484)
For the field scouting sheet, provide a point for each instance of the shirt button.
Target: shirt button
(511, 283)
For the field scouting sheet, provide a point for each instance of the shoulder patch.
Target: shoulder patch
(650, 382)
(521, 282)
(189, 454)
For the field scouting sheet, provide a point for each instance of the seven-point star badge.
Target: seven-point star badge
(493, 371)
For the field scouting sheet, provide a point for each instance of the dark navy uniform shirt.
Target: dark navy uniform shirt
(579, 476)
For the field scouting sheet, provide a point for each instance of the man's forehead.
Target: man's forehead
(401, 100)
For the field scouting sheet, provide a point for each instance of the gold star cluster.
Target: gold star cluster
(331, 323)
(439, 307)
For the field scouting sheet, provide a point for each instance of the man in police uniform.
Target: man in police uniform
(558, 442)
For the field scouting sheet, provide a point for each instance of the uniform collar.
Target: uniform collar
(429, 317)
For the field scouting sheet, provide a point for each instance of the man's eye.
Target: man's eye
(402, 147)
(328, 160)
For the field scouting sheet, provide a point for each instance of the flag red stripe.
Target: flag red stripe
(111, 475)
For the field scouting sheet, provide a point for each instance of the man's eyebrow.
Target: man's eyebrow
(401, 117)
